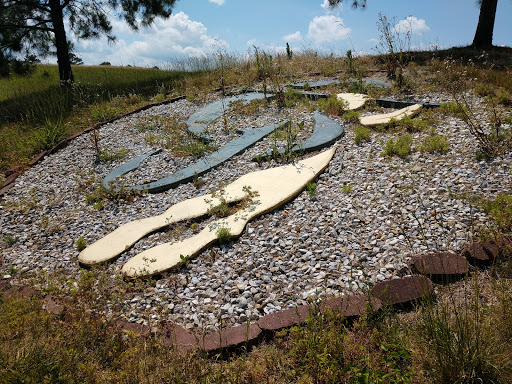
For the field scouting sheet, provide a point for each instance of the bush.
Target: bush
(223, 235)
(80, 244)
(400, 147)
(351, 116)
(435, 144)
(332, 106)
(362, 134)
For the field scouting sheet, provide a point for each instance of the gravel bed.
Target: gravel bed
(369, 215)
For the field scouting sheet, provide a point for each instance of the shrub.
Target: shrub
(223, 235)
(435, 144)
(80, 244)
(9, 240)
(351, 116)
(362, 134)
(332, 106)
(400, 147)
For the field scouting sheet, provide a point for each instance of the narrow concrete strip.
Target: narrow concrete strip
(354, 100)
(294, 176)
(199, 121)
(314, 84)
(206, 164)
(124, 168)
(403, 291)
(385, 118)
(326, 132)
(392, 103)
(245, 334)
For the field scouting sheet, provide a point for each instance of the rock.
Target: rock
(402, 291)
(440, 265)
(177, 337)
(351, 306)
(285, 318)
(481, 252)
(50, 306)
(231, 337)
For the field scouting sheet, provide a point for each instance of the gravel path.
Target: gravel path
(370, 214)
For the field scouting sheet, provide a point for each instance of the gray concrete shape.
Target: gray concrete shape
(124, 168)
(199, 121)
(314, 84)
(372, 82)
(326, 132)
(391, 103)
(233, 148)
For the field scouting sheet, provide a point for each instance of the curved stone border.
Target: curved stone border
(391, 103)
(324, 83)
(326, 132)
(129, 166)
(399, 292)
(13, 173)
(385, 118)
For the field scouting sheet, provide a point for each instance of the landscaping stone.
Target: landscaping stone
(385, 118)
(354, 100)
(392, 103)
(351, 306)
(231, 337)
(402, 291)
(284, 318)
(481, 252)
(178, 337)
(51, 307)
(126, 167)
(314, 84)
(440, 265)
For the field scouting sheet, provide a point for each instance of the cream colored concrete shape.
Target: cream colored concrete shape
(373, 120)
(274, 186)
(354, 100)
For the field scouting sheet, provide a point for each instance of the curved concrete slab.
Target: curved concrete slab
(372, 82)
(314, 84)
(199, 121)
(206, 164)
(274, 186)
(129, 166)
(385, 118)
(391, 103)
(326, 132)
(354, 100)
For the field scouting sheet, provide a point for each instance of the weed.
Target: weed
(347, 188)
(362, 134)
(9, 240)
(435, 144)
(52, 132)
(109, 155)
(500, 210)
(223, 235)
(293, 97)
(400, 147)
(351, 116)
(80, 244)
(306, 86)
(197, 181)
(311, 189)
(333, 106)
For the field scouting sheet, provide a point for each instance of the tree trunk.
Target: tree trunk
(61, 43)
(485, 29)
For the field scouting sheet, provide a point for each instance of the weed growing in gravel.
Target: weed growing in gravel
(80, 244)
(311, 189)
(332, 106)
(435, 144)
(400, 147)
(500, 210)
(351, 116)
(347, 188)
(223, 235)
(108, 155)
(9, 240)
(362, 134)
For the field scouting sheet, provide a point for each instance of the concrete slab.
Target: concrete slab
(129, 166)
(275, 187)
(391, 103)
(385, 118)
(314, 84)
(326, 132)
(199, 121)
(353, 100)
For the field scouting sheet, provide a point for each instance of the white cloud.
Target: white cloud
(167, 39)
(218, 2)
(331, 10)
(328, 28)
(413, 25)
(293, 37)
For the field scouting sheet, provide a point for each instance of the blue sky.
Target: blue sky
(200, 27)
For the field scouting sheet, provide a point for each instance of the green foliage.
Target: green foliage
(51, 133)
(9, 240)
(105, 63)
(362, 134)
(104, 111)
(346, 189)
(351, 116)
(293, 97)
(80, 244)
(500, 210)
(307, 87)
(311, 189)
(435, 144)
(108, 155)
(400, 147)
(223, 235)
(332, 106)
(114, 193)
(289, 52)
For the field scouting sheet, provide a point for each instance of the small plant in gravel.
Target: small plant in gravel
(311, 189)
(9, 240)
(435, 144)
(351, 116)
(400, 147)
(223, 235)
(332, 106)
(108, 155)
(500, 210)
(362, 134)
(347, 188)
(293, 97)
(80, 244)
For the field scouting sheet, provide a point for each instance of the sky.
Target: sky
(200, 28)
